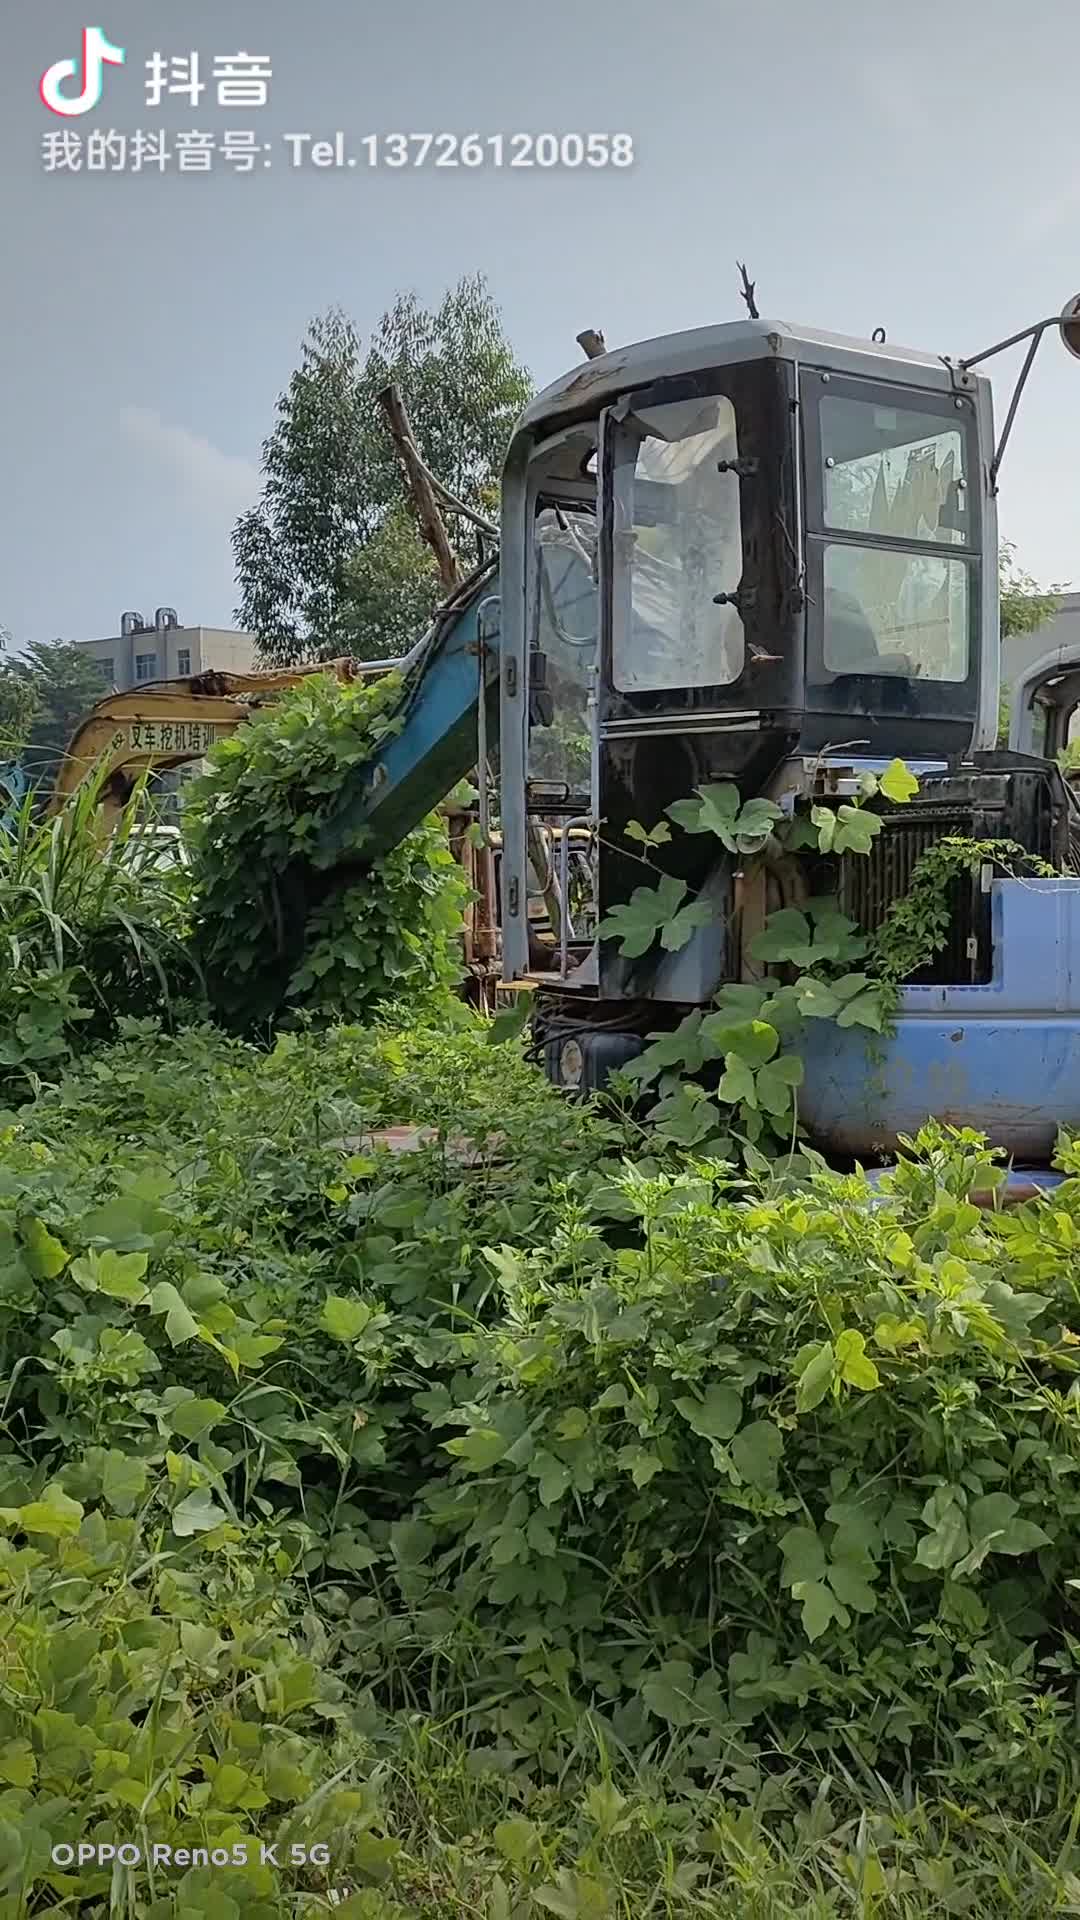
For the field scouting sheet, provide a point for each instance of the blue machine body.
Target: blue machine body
(437, 744)
(1003, 1058)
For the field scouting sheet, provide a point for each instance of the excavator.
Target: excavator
(760, 554)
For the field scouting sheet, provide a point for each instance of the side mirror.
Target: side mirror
(1069, 327)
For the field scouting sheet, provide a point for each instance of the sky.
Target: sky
(911, 168)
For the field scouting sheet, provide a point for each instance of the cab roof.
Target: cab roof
(583, 392)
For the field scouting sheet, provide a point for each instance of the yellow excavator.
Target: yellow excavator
(170, 723)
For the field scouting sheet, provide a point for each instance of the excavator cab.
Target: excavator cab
(724, 554)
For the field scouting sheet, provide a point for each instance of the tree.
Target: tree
(18, 704)
(1024, 605)
(45, 692)
(330, 561)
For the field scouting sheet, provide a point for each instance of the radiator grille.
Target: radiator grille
(869, 884)
(989, 803)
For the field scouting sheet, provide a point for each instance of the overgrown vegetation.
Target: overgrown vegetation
(535, 1530)
(282, 920)
(91, 930)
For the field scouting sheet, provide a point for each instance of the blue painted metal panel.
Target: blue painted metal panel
(1004, 1057)
(437, 744)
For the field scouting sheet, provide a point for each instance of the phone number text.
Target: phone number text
(243, 151)
(496, 149)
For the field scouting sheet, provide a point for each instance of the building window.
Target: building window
(146, 666)
(183, 662)
(108, 672)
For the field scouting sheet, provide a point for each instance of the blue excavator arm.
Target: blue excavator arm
(439, 740)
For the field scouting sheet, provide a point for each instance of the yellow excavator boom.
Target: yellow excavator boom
(168, 723)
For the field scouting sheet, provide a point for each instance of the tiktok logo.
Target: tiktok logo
(97, 54)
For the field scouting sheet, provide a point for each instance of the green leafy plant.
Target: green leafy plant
(572, 1517)
(275, 932)
(90, 929)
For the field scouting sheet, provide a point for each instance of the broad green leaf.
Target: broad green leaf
(851, 1587)
(55, 1514)
(669, 1694)
(252, 1348)
(658, 836)
(517, 1840)
(819, 1608)
(867, 1010)
(18, 1767)
(192, 1418)
(44, 1254)
(716, 1415)
(123, 1481)
(804, 1556)
(713, 810)
(508, 1546)
(856, 830)
(479, 1449)
(180, 1323)
(197, 1514)
(992, 1521)
(682, 1048)
(898, 783)
(737, 1082)
(552, 1475)
(816, 1378)
(605, 1805)
(787, 935)
(638, 921)
(816, 1000)
(757, 1451)
(681, 927)
(752, 1041)
(891, 1334)
(776, 1081)
(119, 1275)
(853, 1364)
(948, 1541)
(345, 1318)
(575, 1896)
(823, 820)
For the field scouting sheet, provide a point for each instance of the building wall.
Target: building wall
(176, 652)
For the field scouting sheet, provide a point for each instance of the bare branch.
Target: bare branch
(747, 291)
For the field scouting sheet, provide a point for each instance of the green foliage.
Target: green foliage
(740, 827)
(273, 931)
(44, 693)
(87, 931)
(916, 926)
(728, 1080)
(330, 561)
(539, 1530)
(1024, 605)
(655, 913)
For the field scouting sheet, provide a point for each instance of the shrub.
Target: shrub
(275, 932)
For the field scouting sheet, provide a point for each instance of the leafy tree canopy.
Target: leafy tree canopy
(44, 693)
(330, 562)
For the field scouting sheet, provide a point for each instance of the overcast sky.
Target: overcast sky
(915, 168)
